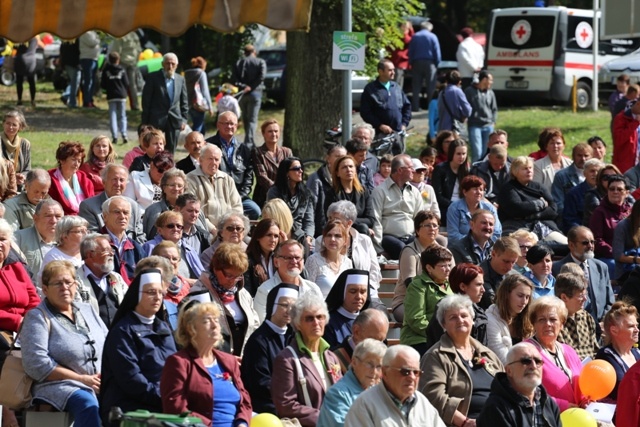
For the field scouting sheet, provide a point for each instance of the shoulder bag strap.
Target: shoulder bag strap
(301, 379)
(444, 101)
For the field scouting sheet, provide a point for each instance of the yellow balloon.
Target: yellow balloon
(265, 420)
(577, 417)
(147, 54)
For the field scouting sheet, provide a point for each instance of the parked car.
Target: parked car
(609, 72)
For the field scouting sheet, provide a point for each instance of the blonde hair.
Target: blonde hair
(189, 314)
(278, 210)
(111, 155)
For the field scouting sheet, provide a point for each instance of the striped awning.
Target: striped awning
(22, 19)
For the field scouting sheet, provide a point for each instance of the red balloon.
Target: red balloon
(597, 379)
(47, 39)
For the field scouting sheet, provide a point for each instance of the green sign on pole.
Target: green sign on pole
(348, 50)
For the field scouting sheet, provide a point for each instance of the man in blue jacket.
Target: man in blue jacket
(383, 104)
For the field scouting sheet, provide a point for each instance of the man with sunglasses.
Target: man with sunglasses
(599, 292)
(517, 397)
(395, 400)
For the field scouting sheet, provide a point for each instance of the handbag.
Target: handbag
(15, 384)
(199, 102)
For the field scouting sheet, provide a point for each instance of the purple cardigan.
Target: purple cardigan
(558, 386)
(603, 221)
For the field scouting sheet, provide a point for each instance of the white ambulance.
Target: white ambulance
(534, 53)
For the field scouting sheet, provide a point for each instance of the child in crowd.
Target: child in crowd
(116, 83)
(384, 169)
(137, 151)
(428, 158)
(153, 142)
(228, 101)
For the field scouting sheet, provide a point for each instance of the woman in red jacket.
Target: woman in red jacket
(201, 380)
(17, 296)
(70, 185)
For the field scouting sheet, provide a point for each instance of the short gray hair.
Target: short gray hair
(399, 161)
(593, 163)
(345, 209)
(90, 243)
(210, 147)
(393, 352)
(170, 55)
(47, 202)
(39, 175)
(308, 301)
(109, 167)
(226, 113)
(366, 126)
(172, 173)
(107, 203)
(515, 349)
(5, 227)
(65, 225)
(233, 214)
(369, 346)
(453, 302)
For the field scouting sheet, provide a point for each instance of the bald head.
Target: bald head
(370, 323)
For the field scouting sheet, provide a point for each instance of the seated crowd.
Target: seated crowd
(150, 288)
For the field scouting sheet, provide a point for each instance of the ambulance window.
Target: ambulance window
(540, 36)
(585, 33)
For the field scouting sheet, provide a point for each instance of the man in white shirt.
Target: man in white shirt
(470, 57)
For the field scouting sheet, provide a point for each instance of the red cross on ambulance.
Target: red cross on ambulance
(521, 32)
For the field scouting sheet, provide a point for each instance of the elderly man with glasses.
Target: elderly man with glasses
(396, 399)
(518, 398)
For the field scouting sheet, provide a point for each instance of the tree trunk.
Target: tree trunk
(313, 98)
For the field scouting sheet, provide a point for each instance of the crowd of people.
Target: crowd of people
(179, 286)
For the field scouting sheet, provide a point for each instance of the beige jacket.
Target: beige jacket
(216, 200)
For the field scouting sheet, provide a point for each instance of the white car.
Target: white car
(609, 72)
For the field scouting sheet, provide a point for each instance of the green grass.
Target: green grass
(525, 123)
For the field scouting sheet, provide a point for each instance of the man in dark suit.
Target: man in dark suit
(236, 160)
(164, 101)
(249, 74)
(476, 246)
(494, 171)
(192, 143)
(115, 178)
(600, 294)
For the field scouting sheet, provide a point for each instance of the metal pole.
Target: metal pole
(596, 42)
(346, 78)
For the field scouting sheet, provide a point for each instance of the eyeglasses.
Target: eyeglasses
(581, 296)
(104, 252)
(370, 365)
(230, 276)
(66, 285)
(617, 189)
(526, 361)
(174, 226)
(152, 293)
(432, 226)
(295, 259)
(296, 169)
(311, 319)
(176, 186)
(587, 242)
(407, 372)
(234, 228)
(228, 123)
(285, 307)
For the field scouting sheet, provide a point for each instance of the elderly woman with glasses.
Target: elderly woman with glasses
(458, 370)
(364, 372)
(145, 186)
(70, 230)
(621, 337)
(307, 357)
(137, 347)
(562, 364)
(169, 225)
(64, 348)
(223, 283)
(423, 294)
(70, 185)
(232, 228)
(200, 379)
(172, 183)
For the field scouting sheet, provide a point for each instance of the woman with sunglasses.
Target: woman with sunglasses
(594, 196)
(69, 185)
(63, 351)
(232, 228)
(144, 186)
(613, 208)
(458, 370)
(170, 225)
(290, 188)
(224, 283)
(320, 367)
(562, 365)
(201, 379)
(138, 344)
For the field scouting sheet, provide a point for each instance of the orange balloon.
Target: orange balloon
(157, 55)
(597, 379)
